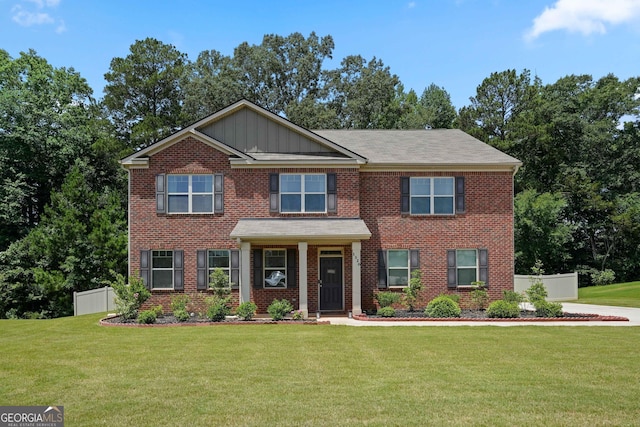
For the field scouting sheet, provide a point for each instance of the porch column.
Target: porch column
(302, 274)
(245, 278)
(356, 284)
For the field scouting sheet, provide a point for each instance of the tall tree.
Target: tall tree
(143, 94)
(46, 122)
(439, 111)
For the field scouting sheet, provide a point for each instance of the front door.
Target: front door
(331, 292)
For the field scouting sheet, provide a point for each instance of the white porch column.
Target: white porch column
(356, 284)
(302, 274)
(245, 277)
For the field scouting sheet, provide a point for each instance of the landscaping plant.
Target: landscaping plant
(179, 307)
(387, 299)
(278, 309)
(147, 316)
(442, 306)
(246, 310)
(129, 297)
(503, 310)
(412, 291)
(386, 312)
(537, 296)
(479, 295)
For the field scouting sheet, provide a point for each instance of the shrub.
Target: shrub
(387, 312)
(443, 306)
(217, 308)
(181, 314)
(297, 315)
(411, 292)
(129, 297)
(387, 299)
(512, 296)
(179, 302)
(453, 297)
(246, 310)
(219, 282)
(503, 309)
(278, 309)
(548, 309)
(479, 295)
(605, 277)
(158, 310)
(147, 316)
(536, 292)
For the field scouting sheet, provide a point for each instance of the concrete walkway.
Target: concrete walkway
(633, 314)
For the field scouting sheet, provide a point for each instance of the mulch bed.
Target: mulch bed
(170, 320)
(480, 315)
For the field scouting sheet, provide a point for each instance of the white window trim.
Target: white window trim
(408, 268)
(190, 194)
(432, 196)
(272, 269)
(153, 269)
(302, 192)
(225, 269)
(468, 267)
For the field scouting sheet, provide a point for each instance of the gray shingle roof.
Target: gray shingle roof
(435, 147)
(308, 229)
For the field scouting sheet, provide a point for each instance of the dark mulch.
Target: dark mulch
(481, 315)
(169, 319)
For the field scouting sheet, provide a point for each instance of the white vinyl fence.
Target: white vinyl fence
(93, 301)
(560, 287)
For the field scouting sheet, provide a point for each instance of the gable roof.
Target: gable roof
(434, 148)
(253, 137)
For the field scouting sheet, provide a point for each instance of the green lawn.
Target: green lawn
(622, 295)
(320, 375)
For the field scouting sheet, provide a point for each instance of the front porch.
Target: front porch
(320, 260)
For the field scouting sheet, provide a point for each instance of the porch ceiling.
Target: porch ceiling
(292, 230)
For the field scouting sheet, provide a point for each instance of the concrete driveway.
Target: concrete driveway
(633, 314)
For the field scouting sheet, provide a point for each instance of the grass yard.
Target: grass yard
(621, 295)
(286, 375)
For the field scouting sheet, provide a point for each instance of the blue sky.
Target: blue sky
(452, 43)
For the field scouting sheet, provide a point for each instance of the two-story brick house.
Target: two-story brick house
(323, 218)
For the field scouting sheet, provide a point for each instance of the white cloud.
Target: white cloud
(35, 14)
(584, 16)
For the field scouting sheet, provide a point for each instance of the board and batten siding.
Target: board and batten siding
(250, 132)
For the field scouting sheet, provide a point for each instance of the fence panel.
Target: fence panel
(560, 287)
(93, 301)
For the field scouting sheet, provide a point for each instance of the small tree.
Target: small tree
(218, 305)
(479, 295)
(129, 297)
(411, 292)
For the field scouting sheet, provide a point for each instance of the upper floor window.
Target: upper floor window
(303, 193)
(193, 193)
(432, 196)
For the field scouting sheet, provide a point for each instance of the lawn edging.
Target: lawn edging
(575, 317)
(108, 321)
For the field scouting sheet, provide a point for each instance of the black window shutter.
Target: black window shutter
(218, 193)
(460, 208)
(332, 193)
(145, 256)
(235, 269)
(483, 264)
(202, 281)
(258, 279)
(414, 260)
(404, 195)
(274, 192)
(292, 269)
(178, 270)
(452, 273)
(160, 193)
(382, 269)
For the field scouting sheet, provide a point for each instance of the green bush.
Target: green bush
(179, 302)
(548, 309)
(605, 277)
(278, 309)
(512, 296)
(387, 299)
(129, 297)
(453, 297)
(158, 310)
(412, 291)
(443, 306)
(503, 310)
(181, 314)
(147, 316)
(217, 308)
(246, 310)
(386, 312)
(479, 295)
(536, 292)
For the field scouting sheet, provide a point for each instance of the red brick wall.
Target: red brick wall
(373, 196)
(487, 223)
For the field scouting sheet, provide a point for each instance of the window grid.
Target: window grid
(219, 258)
(162, 269)
(190, 193)
(467, 266)
(432, 196)
(303, 193)
(398, 267)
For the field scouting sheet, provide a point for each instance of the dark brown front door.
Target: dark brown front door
(331, 293)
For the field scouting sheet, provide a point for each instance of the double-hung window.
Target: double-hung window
(466, 266)
(190, 193)
(432, 196)
(219, 259)
(162, 269)
(398, 267)
(303, 193)
(275, 268)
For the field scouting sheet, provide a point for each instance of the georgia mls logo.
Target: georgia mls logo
(31, 416)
